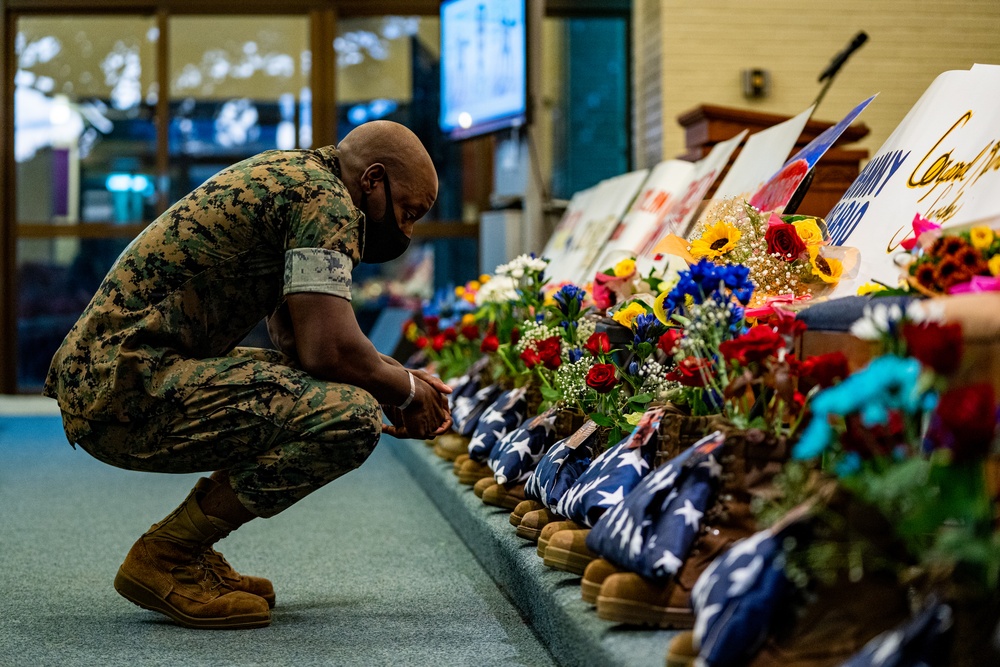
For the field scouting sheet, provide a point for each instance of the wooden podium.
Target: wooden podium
(707, 125)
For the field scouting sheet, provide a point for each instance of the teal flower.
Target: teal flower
(888, 383)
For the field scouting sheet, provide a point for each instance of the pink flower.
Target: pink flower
(602, 296)
(977, 284)
(921, 225)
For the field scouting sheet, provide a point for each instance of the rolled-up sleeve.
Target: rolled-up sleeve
(317, 270)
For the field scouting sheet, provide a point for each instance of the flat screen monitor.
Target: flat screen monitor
(483, 66)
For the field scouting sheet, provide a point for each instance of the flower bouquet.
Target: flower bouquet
(955, 262)
(787, 256)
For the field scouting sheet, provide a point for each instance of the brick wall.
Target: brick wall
(706, 44)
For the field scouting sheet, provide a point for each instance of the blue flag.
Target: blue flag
(514, 458)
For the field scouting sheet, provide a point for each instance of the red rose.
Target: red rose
(530, 358)
(515, 335)
(431, 325)
(439, 342)
(422, 342)
(824, 369)
(598, 344)
(490, 344)
(470, 331)
(938, 346)
(548, 352)
(874, 440)
(784, 240)
(450, 334)
(601, 378)
(757, 344)
(692, 372)
(668, 341)
(969, 416)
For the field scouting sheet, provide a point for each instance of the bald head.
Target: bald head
(403, 158)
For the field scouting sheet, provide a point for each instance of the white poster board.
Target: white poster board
(761, 157)
(666, 183)
(611, 200)
(942, 161)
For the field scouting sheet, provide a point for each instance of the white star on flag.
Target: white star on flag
(663, 478)
(746, 546)
(743, 578)
(477, 441)
(635, 546)
(669, 562)
(611, 499)
(626, 533)
(493, 417)
(521, 446)
(499, 475)
(669, 499)
(714, 467)
(633, 458)
(690, 514)
(499, 435)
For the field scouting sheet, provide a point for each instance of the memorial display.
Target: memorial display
(660, 428)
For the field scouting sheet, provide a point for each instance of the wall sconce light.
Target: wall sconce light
(756, 83)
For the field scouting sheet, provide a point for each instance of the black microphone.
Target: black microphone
(841, 58)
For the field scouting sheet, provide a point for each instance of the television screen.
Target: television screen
(483, 68)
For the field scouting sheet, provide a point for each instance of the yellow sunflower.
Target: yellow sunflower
(826, 269)
(716, 241)
(809, 231)
(981, 237)
(626, 316)
(460, 290)
(485, 278)
(468, 319)
(994, 265)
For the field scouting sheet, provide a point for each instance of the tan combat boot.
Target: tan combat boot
(750, 460)
(593, 578)
(531, 524)
(471, 472)
(567, 551)
(524, 507)
(507, 496)
(167, 571)
(258, 586)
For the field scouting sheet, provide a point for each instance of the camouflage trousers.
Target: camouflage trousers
(280, 433)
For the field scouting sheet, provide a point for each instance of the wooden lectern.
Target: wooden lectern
(707, 125)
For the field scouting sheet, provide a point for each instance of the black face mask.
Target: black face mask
(384, 240)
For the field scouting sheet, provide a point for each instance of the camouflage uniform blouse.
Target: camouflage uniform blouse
(198, 278)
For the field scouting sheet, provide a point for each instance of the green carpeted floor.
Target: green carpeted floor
(367, 571)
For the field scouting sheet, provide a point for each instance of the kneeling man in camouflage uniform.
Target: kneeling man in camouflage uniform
(150, 377)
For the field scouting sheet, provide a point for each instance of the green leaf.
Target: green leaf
(641, 399)
(600, 419)
(551, 394)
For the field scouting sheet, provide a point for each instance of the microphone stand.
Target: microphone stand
(830, 73)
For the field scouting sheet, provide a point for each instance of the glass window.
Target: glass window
(84, 134)
(585, 82)
(388, 67)
(56, 280)
(238, 86)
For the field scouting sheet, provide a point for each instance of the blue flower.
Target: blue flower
(575, 354)
(647, 327)
(633, 368)
(539, 318)
(567, 297)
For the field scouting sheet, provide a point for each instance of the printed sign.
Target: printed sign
(778, 191)
(665, 183)
(761, 157)
(942, 161)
